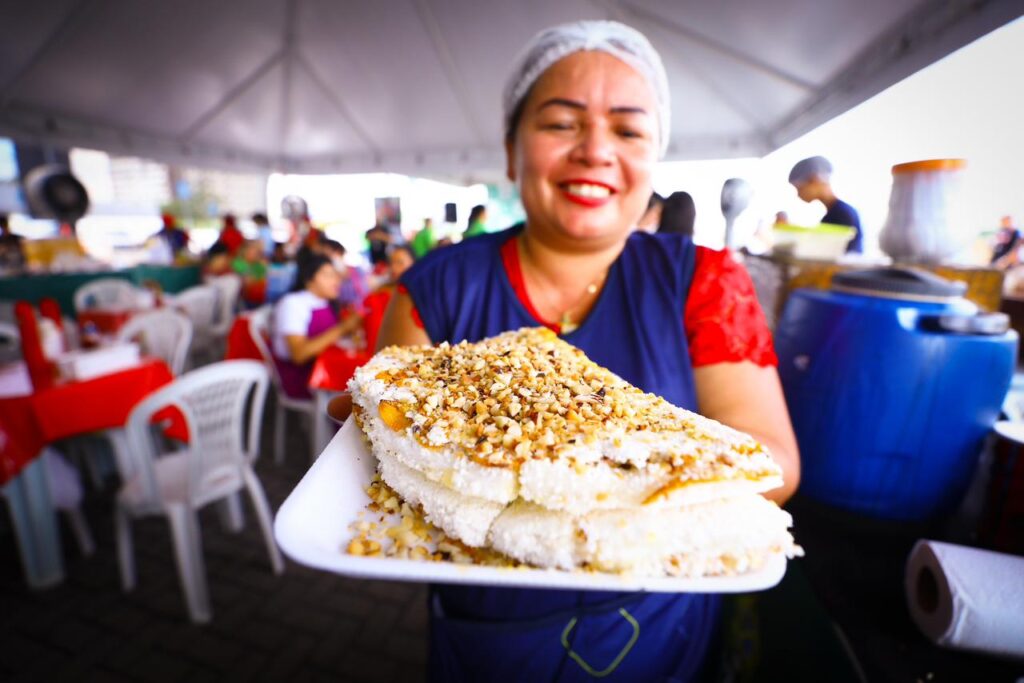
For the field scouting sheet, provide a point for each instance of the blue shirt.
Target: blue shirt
(842, 213)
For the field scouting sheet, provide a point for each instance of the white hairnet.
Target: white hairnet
(809, 168)
(557, 42)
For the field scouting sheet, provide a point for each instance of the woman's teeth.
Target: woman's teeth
(586, 190)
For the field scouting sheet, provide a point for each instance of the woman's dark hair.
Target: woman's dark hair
(217, 247)
(678, 214)
(333, 246)
(475, 212)
(307, 268)
(401, 247)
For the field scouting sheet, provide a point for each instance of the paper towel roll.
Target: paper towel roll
(967, 598)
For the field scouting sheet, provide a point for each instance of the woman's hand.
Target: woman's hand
(749, 398)
(304, 349)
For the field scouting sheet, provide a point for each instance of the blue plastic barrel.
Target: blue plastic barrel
(892, 382)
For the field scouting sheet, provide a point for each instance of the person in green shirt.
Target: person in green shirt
(425, 240)
(252, 268)
(477, 222)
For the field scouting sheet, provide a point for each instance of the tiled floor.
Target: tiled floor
(304, 625)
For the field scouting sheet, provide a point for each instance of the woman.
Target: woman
(477, 223)
(586, 114)
(678, 214)
(305, 324)
(250, 266)
(400, 259)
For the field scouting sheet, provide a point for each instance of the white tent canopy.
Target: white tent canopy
(414, 85)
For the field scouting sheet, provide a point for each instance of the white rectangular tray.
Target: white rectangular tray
(312, 527)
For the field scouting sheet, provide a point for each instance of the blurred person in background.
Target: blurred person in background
(250, 265)
(280, 273)
(279, 254)
(425, 239)
(305, 323)
(678, 215)
(176, 238)
(265, 233)
(812, 178)
(354, 285)
(652, 214)
(217, 260)
(400, 259)
(1006, 240)
(477, 224)
(230, 236)
(381, 237)
(12, 255)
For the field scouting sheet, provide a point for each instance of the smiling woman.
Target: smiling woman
(586, 118)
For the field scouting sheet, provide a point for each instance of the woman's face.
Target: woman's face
(326, 284)
(584, 149)
(399, 262)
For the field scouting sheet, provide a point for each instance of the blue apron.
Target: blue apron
(636, 330)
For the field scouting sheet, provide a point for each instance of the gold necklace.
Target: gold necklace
(565, 321)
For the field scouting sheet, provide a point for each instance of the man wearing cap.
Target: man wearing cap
(812, 178)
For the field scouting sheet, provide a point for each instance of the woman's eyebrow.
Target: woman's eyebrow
(628, 110)
(562, 102)
(574, 104)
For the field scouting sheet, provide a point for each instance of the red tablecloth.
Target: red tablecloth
(106, 322)
(29, 422)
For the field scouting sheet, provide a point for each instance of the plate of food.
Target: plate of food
(517, 461)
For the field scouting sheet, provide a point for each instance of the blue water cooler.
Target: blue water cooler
(892, 381)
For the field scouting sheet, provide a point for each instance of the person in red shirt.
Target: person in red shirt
(400, 259)
(230, 236)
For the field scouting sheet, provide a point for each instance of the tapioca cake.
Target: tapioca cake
(522, 445)
(526, 415)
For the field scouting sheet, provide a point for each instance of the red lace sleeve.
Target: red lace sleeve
(723, 320)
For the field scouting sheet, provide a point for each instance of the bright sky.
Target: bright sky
(969, 105)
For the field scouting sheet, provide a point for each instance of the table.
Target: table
(776, 276)
(62, 286)
(855, 566)
(31, 420)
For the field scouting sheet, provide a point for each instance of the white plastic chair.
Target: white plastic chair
(259, 330)
(162, 333)
(229, 287)
(72, 337)
(108, 293)
(218, 463)
(199, 304)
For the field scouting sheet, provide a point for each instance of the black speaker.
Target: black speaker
(451, 214)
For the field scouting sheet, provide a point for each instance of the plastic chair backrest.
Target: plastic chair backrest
(199, 303)
(106, 293)
(259, 331)
(163, 333)
(228, 288)
(222, 405)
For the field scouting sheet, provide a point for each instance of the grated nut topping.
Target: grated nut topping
(529, 395)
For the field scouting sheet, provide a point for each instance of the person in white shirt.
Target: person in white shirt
(305, 324)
